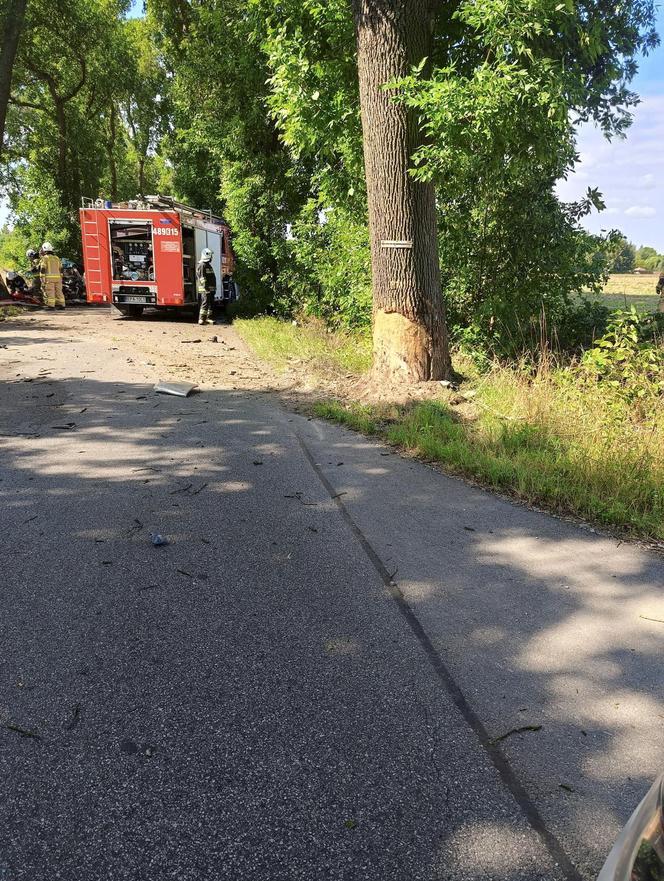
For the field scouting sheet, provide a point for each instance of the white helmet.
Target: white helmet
(206, 255)
(47, 247)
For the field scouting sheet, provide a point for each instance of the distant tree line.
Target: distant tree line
(623, 256)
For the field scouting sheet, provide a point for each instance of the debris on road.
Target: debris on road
(522, 730)
(138, 525)
(75, 719)
(158, 540)
(22, 732)
(182, 342)
(181, 489)
(298, 495)
(180, 389)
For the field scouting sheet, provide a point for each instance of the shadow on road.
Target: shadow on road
(247, 702)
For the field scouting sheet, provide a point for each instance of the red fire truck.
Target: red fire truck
(144, 253)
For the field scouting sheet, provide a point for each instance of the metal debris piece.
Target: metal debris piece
(180, 389)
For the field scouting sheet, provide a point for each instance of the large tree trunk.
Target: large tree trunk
(13, 15)
(141, 175)
(61, 123)
(110, 150)
(409, 330)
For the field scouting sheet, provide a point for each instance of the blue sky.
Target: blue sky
(629, 172)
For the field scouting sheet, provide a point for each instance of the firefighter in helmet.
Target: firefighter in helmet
(33, 257)
(206, 285)
(50, 269)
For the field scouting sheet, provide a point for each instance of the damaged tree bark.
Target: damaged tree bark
(409, 331)
(12, 18)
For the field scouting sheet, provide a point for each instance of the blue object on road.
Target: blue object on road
(158, 540)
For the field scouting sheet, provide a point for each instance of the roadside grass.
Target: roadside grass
(544, 442)
(284, 344)
(546, 438)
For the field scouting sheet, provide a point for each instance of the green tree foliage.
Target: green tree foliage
(621, 255)
(67, 57)
(84, 118)
(144, 107)
(251, 108)
(223, 144)
(500, 110)
(648, 258)
(13, 245)
(314, 101)
(509, 82)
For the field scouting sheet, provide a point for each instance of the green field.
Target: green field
(625, 290)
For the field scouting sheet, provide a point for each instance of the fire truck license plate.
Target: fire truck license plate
(134, 300)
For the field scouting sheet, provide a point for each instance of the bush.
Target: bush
(622, 359)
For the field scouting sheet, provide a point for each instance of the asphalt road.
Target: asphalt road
(314, 678)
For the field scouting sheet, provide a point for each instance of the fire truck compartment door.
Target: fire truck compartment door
(211, 240)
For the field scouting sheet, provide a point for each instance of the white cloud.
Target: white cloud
(646, 181)
(628, 172)
(640, 211)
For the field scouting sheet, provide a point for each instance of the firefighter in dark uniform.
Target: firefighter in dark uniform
(206, 285)
(35, 276)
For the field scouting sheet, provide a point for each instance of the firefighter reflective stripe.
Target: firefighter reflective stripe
(205, 278)
(51, 266)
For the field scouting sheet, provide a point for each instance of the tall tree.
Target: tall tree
(13, 16)
(409, 329)
(145, 106)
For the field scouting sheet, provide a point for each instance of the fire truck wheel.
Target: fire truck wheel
(130, 311)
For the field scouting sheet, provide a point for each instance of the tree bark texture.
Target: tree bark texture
(141, 175)
(110, 149)
(409, 329)
(13, 16)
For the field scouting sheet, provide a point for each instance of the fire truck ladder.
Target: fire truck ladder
(92, 253)
(170, 203)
